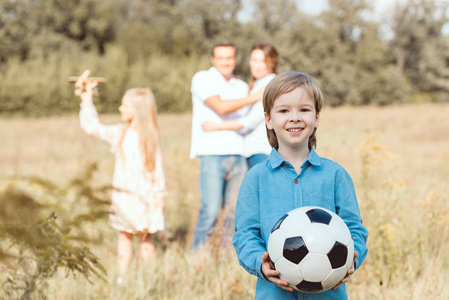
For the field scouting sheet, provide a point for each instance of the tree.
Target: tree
(89, 22)
(155, 26)
(379, 80)
(16, 29)
(208, 20)
(273, 16)
(326, 46)
(421, 50)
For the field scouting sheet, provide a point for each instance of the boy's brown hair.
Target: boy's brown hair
(285, 83)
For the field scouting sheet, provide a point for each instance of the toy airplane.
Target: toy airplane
(82, 80)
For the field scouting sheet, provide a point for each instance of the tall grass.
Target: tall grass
(397, 157)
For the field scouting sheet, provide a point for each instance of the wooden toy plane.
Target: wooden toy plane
(82, 80)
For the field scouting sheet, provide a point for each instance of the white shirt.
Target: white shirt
(224, 142)
(254, 130)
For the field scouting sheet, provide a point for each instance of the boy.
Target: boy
(293, 176)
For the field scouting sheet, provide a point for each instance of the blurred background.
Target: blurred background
(361, 52)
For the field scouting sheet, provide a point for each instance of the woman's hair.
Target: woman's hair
(285, 83)
(145, 114)
(271, 58)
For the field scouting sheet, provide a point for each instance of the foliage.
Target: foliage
(43, 229)
(43, 42)
(16, 29)
(39, 87)
(420, 47)
(401, 228)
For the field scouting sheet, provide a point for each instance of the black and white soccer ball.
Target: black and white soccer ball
(312, 248)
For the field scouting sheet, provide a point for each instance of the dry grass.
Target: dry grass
(402, 185)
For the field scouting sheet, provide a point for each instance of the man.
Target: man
(222, 165)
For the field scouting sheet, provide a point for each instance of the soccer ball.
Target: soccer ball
(312, 248)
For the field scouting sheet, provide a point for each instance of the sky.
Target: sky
(314, 7)
(382, 11)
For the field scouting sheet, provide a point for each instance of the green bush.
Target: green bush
(39, 86)
(387, 87)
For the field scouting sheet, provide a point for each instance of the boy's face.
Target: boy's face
(293, 118)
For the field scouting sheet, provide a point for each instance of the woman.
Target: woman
(263, 63)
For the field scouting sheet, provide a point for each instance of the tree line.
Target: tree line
(161, 43)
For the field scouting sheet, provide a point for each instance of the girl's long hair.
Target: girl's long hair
(145, 114)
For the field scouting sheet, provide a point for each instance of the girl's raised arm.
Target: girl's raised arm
(90, 122)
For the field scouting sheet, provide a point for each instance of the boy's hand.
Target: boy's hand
(350, 272)
(272, 275)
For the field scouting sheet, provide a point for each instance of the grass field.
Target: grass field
(397, 156)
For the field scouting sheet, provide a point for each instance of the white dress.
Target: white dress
(136, 202)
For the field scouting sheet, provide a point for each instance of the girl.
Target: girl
(138, 181)
(264, 67)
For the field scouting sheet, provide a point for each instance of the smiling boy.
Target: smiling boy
(293, 176)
